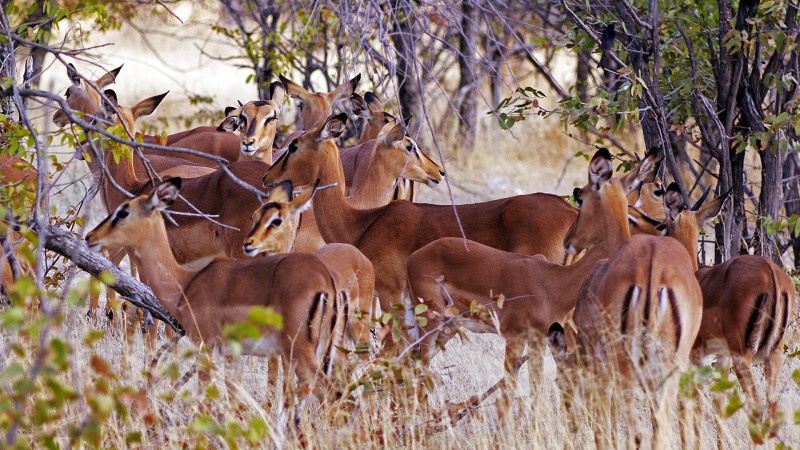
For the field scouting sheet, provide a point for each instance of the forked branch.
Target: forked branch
(140, 295)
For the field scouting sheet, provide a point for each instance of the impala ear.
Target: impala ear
(72, 74)
(277, 92)
(673, 201)
(576, 195)
(108, 78)
(600, 169)
(644, 172)
(374, 103)
(110, 103)
(281, 192)
(359, 106)
(147, 106)
(293, 89)
(711, 209)
(303, 200)
(395, 134)
(557, 340)
(407, 122)
(333, 127)
(231, 122)
(345, 90)
(165, 193)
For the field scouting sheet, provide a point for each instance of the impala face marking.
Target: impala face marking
(257, 124)
(417, 166)
(275, 223)
(585, 232)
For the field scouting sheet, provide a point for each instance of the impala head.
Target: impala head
(256, 122)
(275, 222)
(604, 199)
(685, 224)
(561, 340)
(302, 161)
(405, 152)
(108, 114)
(315, 106)
(649, 198)
(81, 96)
(127, 114)
(370, 107)
(134, 221)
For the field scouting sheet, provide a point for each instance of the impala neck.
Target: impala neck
(615, 220)
(122, 173)
(377, 186)
(370, 131)
(158, 267)
(574, 275)
(337, 219)
(687, 233)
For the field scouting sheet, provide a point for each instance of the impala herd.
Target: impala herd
(630, 303)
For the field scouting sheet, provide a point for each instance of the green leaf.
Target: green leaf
(266, 316)
(420, 308)
(735, 403)
(722, 385)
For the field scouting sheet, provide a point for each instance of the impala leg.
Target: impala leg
(515, 348)
(772, 369)
(742, 365)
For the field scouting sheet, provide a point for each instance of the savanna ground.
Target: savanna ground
(112, 399)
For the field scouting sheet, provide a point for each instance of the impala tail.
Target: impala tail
(768, 319)
(332, 326)
(653, 319)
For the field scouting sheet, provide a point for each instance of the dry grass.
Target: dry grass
(537, 156)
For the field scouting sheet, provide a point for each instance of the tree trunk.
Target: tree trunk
(467, 86)
(406, 70)
(582, 73)
(791, 197)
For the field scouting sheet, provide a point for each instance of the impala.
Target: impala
(164, 166)
(452, 273)
(644, 296)
(297, 286)
(370, 108)
(393, 156)
(316, 106)
(274, 232)
(85, 98)
(257, 123)
(747, 301)
(14, 171)
(530, 224)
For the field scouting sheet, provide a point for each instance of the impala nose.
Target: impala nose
(249, 250)
(94, 246)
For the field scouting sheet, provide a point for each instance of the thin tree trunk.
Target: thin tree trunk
(791, 196)
(468, 109)
(407, 73)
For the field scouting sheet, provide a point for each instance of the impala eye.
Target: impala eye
(659, 192)
(276, 222)
(121, 213)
